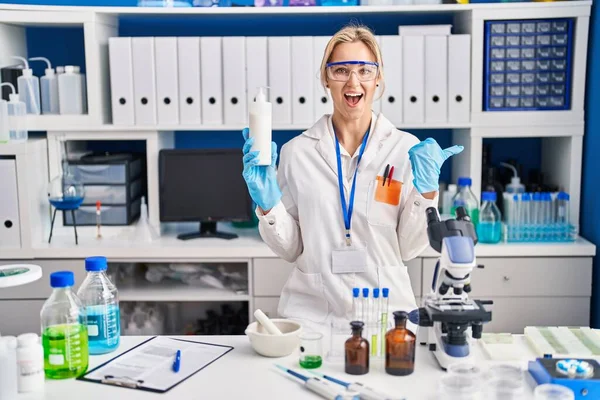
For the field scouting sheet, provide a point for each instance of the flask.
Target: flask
(400, 347)
(70, 92)
(489, 229)
(357, 351)
(16, 116)
(261, 126)
(29, 88)
(30, 363)
(99, 297)
(467, 199)
(64, 330)
(49, 88)
(8, 368)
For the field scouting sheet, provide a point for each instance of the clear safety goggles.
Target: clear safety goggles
(341, 71)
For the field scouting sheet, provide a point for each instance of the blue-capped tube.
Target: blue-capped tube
(356, 305)
(525, 218)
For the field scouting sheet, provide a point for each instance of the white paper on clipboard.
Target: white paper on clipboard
(150, 364)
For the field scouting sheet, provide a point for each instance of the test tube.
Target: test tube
(562, 215)
(356, 305)
(365, 307)
(374, 326)
(547, 199)
(385, 303)
(514, 219)
(536, 215)
(526, 216)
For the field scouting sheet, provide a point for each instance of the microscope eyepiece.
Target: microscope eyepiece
(461, 214)
(432, 215)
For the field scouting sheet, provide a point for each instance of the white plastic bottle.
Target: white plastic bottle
(30, 363)
(261, 127)
(447, 198)
(16, 116)
(29, 88)
(4, 130)
(8, 368)
(70, 92)
(83, 90)
(49, 88)
(515, 185)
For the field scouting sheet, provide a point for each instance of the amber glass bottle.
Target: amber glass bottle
(357, 351)
(400, 347)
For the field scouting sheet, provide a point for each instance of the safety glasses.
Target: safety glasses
(341, 71)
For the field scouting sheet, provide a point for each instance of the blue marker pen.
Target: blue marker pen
(177, 361)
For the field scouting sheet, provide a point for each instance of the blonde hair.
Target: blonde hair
(350, 34)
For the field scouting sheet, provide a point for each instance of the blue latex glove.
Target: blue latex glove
(426, 159)
(260, 179)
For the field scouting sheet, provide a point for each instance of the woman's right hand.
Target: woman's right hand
(260, 179)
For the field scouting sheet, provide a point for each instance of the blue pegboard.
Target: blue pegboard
(528, 64)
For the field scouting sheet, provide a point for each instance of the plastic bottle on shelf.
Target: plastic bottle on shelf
(8, 368)
(83, 89)
(99, 297)
(489, 229)
(515, 185)
(29, 88)
(447, 198)
(467, 199)
(16, 116)
(49, 88)
(260, 116)
(562, 216)
(64, 330)
(4, 130)
(70, 92)
(30, 362)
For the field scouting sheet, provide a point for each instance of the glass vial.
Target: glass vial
(357, 351)
(400, 347)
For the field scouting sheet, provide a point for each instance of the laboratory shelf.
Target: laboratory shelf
(168, 290)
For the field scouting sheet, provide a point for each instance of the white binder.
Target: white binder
(256, 66)
(302, 84)
(280, 79)
(391, 102)
(459, 78)
(10, 227)
(167, 96)
(234, 80)
(211, 72)
(188, 54)
(436, 78)
(413, 79)
(121, 80)
(144, 80)
(322, 99)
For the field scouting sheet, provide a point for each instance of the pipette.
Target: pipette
(365, 392)
(320, 387)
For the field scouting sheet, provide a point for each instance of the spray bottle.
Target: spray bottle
(49, 88)
(16, 116)
(515, 185)
(261, 126)
(70, 92)
(29, 88)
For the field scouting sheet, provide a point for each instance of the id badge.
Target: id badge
(349, 259)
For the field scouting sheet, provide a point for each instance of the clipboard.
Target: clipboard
(156, 375)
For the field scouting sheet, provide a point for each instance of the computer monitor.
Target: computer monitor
(204, 186)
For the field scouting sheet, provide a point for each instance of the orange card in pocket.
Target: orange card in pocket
(388, 193)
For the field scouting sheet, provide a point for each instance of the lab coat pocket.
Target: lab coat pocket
(384, 202)
(396, 278)
(303, 297)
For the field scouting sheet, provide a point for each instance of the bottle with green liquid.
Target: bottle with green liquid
(465, 198)
(64, 330)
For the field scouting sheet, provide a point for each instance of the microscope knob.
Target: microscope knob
(477, 330)
(444, 289)
(467, 288)
(458, 291)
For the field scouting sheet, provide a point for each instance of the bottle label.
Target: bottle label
(103, 325)
(31, 368)
(56, 359)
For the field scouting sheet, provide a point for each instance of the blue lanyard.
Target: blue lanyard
(347, 209)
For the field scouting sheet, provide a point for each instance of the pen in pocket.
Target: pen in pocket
(390, 175)
(385, 174)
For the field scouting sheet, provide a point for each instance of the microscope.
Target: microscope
(447, 312)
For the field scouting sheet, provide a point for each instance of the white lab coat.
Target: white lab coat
(307, 225)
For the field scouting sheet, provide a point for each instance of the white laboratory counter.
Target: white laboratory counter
(242, 374)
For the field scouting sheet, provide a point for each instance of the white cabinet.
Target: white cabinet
(268, 305)
(270, 275)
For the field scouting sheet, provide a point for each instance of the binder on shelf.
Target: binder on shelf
(234, 80)
(436, 78)
(280, 79)
(188, 54)
(424, 30)
(256, 66)
(211, 72)
(10, 231)
(378, 96)
(322, 99)
(167, 104)
(459, 78)
(391, 103)
(302, 85)
(144, 80)
(413, 79)
(121, 80)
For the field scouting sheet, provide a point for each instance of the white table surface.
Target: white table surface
(243, 374)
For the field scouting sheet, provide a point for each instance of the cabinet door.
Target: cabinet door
(20, 316)
(270, 274)
(41, 289)
(268, 305)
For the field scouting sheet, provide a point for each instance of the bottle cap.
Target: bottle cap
(537, 196)
(562, 196)
(488, 196)
(376, 293)
(515, 181)
(69, 69)
(400, 316)
(9, 342)
(385, 292)
(60, 70)
(464, 181)
(62, 279)
(525, 197)
(261, 97)
(95, 264)
(28, 339)
(546, 196)
(357, 325)
(365, 292)
(516, 197)
(355, 292)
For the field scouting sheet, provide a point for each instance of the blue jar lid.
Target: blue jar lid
(488, 196)
(62, 279)
(355, 292)
(464, 181)
(376, 293)
(94, 264)
(365, 292)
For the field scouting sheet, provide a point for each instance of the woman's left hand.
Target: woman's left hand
(426, 159)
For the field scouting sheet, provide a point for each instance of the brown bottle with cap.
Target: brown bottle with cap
(357, 351)
(400, 347)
